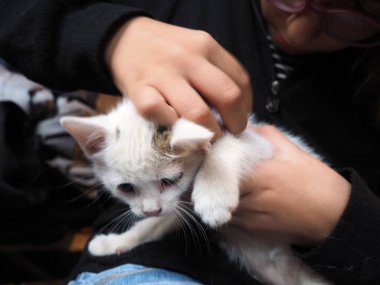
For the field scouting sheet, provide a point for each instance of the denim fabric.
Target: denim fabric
(132, 274)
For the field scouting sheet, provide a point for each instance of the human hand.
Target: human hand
(169, 72)
(293, 197)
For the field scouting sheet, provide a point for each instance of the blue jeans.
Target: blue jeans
(132, 274)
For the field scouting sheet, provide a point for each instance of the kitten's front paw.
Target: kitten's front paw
(214, 205)
(109, 244)
(214, 216)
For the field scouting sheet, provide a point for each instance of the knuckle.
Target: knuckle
(204, 40)
(198, 114)
(232, 95)
(147, 107)
(177, 54)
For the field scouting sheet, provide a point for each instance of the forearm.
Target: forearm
(351, 254)
(61, 43)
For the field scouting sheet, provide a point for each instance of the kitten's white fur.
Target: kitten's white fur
(120, 145)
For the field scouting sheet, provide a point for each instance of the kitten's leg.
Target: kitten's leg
(149, 229)
(269, 261)
(255, 255)
(216, 186)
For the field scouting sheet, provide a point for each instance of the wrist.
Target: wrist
(120, 34)
(334, 205)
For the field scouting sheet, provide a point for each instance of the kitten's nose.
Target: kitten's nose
(152, 213)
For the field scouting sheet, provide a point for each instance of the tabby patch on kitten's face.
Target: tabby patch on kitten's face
(146, 166)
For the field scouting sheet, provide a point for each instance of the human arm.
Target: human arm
(60, 43)
(65, 44)
(170, 72)
(332, 217)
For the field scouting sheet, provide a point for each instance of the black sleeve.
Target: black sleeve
(61, 43)
(351, 254)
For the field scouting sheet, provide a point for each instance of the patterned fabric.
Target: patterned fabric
(283, 63)
(45, 107)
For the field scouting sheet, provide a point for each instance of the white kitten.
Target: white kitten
(151, 168)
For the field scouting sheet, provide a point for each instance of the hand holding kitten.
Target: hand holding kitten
(292, 197)
(170, 72)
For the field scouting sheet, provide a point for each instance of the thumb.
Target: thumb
(283, 143)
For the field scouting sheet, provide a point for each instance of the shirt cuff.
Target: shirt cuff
(83, 38)
(351, 254)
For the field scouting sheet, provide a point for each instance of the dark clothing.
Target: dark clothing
(61, 44)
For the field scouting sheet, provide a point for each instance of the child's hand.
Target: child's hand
(170, 72)
(292, 197)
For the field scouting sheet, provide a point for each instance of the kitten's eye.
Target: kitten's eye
(126, 188)
(167, 182)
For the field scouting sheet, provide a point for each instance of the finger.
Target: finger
(232, 67)
(188, 103)
(268, 131)
(223, 93)
(285, 146)
(272, 134)
(226, 62)
(151, 104)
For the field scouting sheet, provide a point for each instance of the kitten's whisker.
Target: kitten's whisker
(102, 193)
(84, 193)
(190, 214)
(200, 228)
(187, 203)
(99, 195)
(125, 222)
(179, 219)
(186, 222)
(194, 234)
(130, 217)
(71, 181)
(119, 221)
(114, 220)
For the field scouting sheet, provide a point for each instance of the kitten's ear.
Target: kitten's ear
(88, 132)
(187, 135)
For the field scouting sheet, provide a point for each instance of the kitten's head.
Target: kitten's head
(146, 166)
